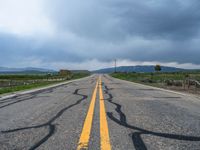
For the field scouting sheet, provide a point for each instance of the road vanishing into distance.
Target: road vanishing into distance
(100, 113)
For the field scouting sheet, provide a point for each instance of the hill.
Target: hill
(80, 71)
(144, 69)
(27, 70)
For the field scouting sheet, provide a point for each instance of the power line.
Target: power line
(115, 65)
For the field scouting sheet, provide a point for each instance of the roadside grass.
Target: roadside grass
(80, 75)
(41, 82)
(159, 79)
(155, 77)
(24, 87)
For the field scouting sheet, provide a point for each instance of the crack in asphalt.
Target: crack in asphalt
(49, 123)
(10, 102)
(92, 81)
(109, 79)
(17, 98)
(136, 136)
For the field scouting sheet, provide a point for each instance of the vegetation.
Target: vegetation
(12, 83)
(159, 79)
(157, 68)
(80, 75)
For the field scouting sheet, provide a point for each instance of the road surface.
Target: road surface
(100, 113)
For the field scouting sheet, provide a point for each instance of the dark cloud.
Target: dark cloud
(144, 30)
(14, 49)
(117, 19)
(170, 19)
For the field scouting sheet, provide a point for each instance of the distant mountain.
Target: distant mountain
(6, 70)
(144, 69)
(80, 71)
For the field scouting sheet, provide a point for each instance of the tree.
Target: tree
(152, 76)
(157, 68)
(48, 76)
(65, 73)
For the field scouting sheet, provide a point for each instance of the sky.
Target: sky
(90, 34)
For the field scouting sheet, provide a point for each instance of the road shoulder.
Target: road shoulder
(17, 93)
(162, 89)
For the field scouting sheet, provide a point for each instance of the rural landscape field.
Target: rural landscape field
(99, 75)
(16, 81)
(179, 81)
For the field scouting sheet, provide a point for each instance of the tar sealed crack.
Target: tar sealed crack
(50, 123)
(136, 135)
(19, 98)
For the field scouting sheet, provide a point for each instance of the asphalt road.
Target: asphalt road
(100, 113)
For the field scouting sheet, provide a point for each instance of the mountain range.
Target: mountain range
(144, 69)
(6, 70)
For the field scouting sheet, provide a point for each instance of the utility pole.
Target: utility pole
(115, 65)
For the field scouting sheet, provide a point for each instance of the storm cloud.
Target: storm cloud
(75, 33)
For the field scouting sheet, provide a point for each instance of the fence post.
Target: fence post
(195, 87)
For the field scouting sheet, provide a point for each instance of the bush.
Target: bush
(147, 81)
(178, 83)
(173, 83)
(169, 82)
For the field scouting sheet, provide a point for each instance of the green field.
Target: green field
(159, 79)
(12, 83)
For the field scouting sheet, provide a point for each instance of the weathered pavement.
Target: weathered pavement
(116, 115)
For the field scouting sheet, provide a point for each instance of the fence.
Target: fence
(11, 83)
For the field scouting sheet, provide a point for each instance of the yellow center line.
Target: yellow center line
(85, 134)
(104, 133)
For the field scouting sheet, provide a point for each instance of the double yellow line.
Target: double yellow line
(104, 133)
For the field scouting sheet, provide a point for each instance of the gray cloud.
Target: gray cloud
(117, 19)
(173, 19)
(145, 30)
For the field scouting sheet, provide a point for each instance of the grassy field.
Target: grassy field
(12, 83)
(175, 81)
